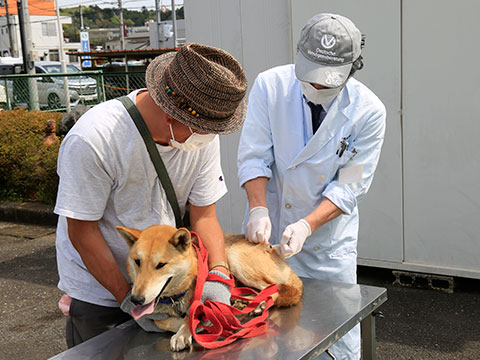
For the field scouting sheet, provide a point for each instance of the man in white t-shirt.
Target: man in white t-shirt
(107, 179)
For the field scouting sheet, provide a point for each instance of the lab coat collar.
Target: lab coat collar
(334, 120)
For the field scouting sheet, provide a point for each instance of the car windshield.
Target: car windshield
(56, 69)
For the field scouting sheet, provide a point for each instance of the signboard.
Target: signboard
(85, 47)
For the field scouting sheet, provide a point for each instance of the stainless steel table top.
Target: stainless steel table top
(328, 311)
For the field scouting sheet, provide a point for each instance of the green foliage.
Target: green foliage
(28, 168)
(95, 17)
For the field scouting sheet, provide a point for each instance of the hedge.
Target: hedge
(28, 168)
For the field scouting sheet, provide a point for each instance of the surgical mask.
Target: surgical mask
(193, 142)
(321, 96)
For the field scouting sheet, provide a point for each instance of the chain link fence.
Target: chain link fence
(52, 92)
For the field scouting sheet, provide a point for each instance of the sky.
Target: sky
(129, 4)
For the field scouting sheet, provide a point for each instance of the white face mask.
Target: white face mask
(319, 97)
(193, 142)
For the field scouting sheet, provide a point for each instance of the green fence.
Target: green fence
(48, 92)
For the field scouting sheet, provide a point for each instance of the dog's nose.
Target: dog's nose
(138, 300)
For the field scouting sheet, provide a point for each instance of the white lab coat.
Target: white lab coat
(277, 142)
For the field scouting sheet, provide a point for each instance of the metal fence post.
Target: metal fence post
(7, 98)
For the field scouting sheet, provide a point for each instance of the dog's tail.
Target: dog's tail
(290, 293)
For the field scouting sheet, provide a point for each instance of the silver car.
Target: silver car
(51, 90)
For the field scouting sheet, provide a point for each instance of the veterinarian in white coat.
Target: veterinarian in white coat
(303, 185)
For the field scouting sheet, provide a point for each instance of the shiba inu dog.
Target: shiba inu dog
(162, 265)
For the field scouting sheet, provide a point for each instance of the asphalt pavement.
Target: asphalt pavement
(416, 323)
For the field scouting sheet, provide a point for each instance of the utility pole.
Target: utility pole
(157, 12)
(81, 17)
(10, 34)
(26, 35)
(62, 57)
(174, 24)
(122, 40)
(122, 35)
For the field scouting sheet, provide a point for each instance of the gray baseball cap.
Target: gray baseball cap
(326, 50)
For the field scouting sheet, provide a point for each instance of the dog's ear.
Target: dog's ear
(130, 235)
(182, 239)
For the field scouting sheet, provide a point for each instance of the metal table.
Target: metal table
(327, 312)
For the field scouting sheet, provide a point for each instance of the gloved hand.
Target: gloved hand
(258, 227)
(216, 290)
(146, 322)
(294, 236)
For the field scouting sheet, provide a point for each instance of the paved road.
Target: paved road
(418, 324)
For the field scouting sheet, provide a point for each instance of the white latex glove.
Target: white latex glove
(259, 227)
(294, 236)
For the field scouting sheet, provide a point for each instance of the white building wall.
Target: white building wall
(258, 42)
(45, 38)
(421, 212)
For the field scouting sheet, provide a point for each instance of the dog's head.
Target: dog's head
(161, 262)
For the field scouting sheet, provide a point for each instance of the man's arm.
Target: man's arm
(323, 213)
(87, 239)
(256, 190)
(205, 223)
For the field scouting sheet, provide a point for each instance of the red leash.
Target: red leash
(224, 323)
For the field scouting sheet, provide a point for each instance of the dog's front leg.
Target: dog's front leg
(171, 323)
(183, 338)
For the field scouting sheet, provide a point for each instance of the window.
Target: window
(49, 29)
(53, 55)
(73, 58)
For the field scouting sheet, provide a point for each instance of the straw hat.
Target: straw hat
(201, 86)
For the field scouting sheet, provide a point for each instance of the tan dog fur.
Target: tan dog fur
(161, 252)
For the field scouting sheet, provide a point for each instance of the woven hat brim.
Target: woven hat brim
(156, 85)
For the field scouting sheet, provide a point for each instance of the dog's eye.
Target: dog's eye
(160, 265)
(137, 261)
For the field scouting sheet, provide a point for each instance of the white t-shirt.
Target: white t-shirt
(106, 174)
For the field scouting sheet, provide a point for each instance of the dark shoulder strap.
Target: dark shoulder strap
(154, 156)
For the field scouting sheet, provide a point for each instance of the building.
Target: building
(136, 37)
(145, 37)
(45, 39)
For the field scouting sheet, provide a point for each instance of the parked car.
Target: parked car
(51, 90)
(82, 88)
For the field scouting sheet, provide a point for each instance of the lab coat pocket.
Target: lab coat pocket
(346, 158)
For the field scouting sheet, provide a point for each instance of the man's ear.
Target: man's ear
(182, 239)
(130, 235)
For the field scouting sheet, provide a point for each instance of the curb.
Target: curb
(28, 213)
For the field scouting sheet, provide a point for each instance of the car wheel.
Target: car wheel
(54, 101)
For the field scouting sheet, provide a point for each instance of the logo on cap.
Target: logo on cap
(333, 78)
(328, 41)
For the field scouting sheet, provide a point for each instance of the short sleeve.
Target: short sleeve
(209, 185)
(84, 184)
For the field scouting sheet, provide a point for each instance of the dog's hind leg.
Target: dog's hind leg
(256, 266)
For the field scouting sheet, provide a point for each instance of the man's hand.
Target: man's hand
(294, 236)
(259, 227)
(216, 290)
(146, 322)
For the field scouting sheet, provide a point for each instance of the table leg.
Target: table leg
(369, 343)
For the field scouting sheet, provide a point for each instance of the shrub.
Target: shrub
(28, 168)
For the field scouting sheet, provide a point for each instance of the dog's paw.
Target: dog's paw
(181, 340)
(239, 304)
(259, 309)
